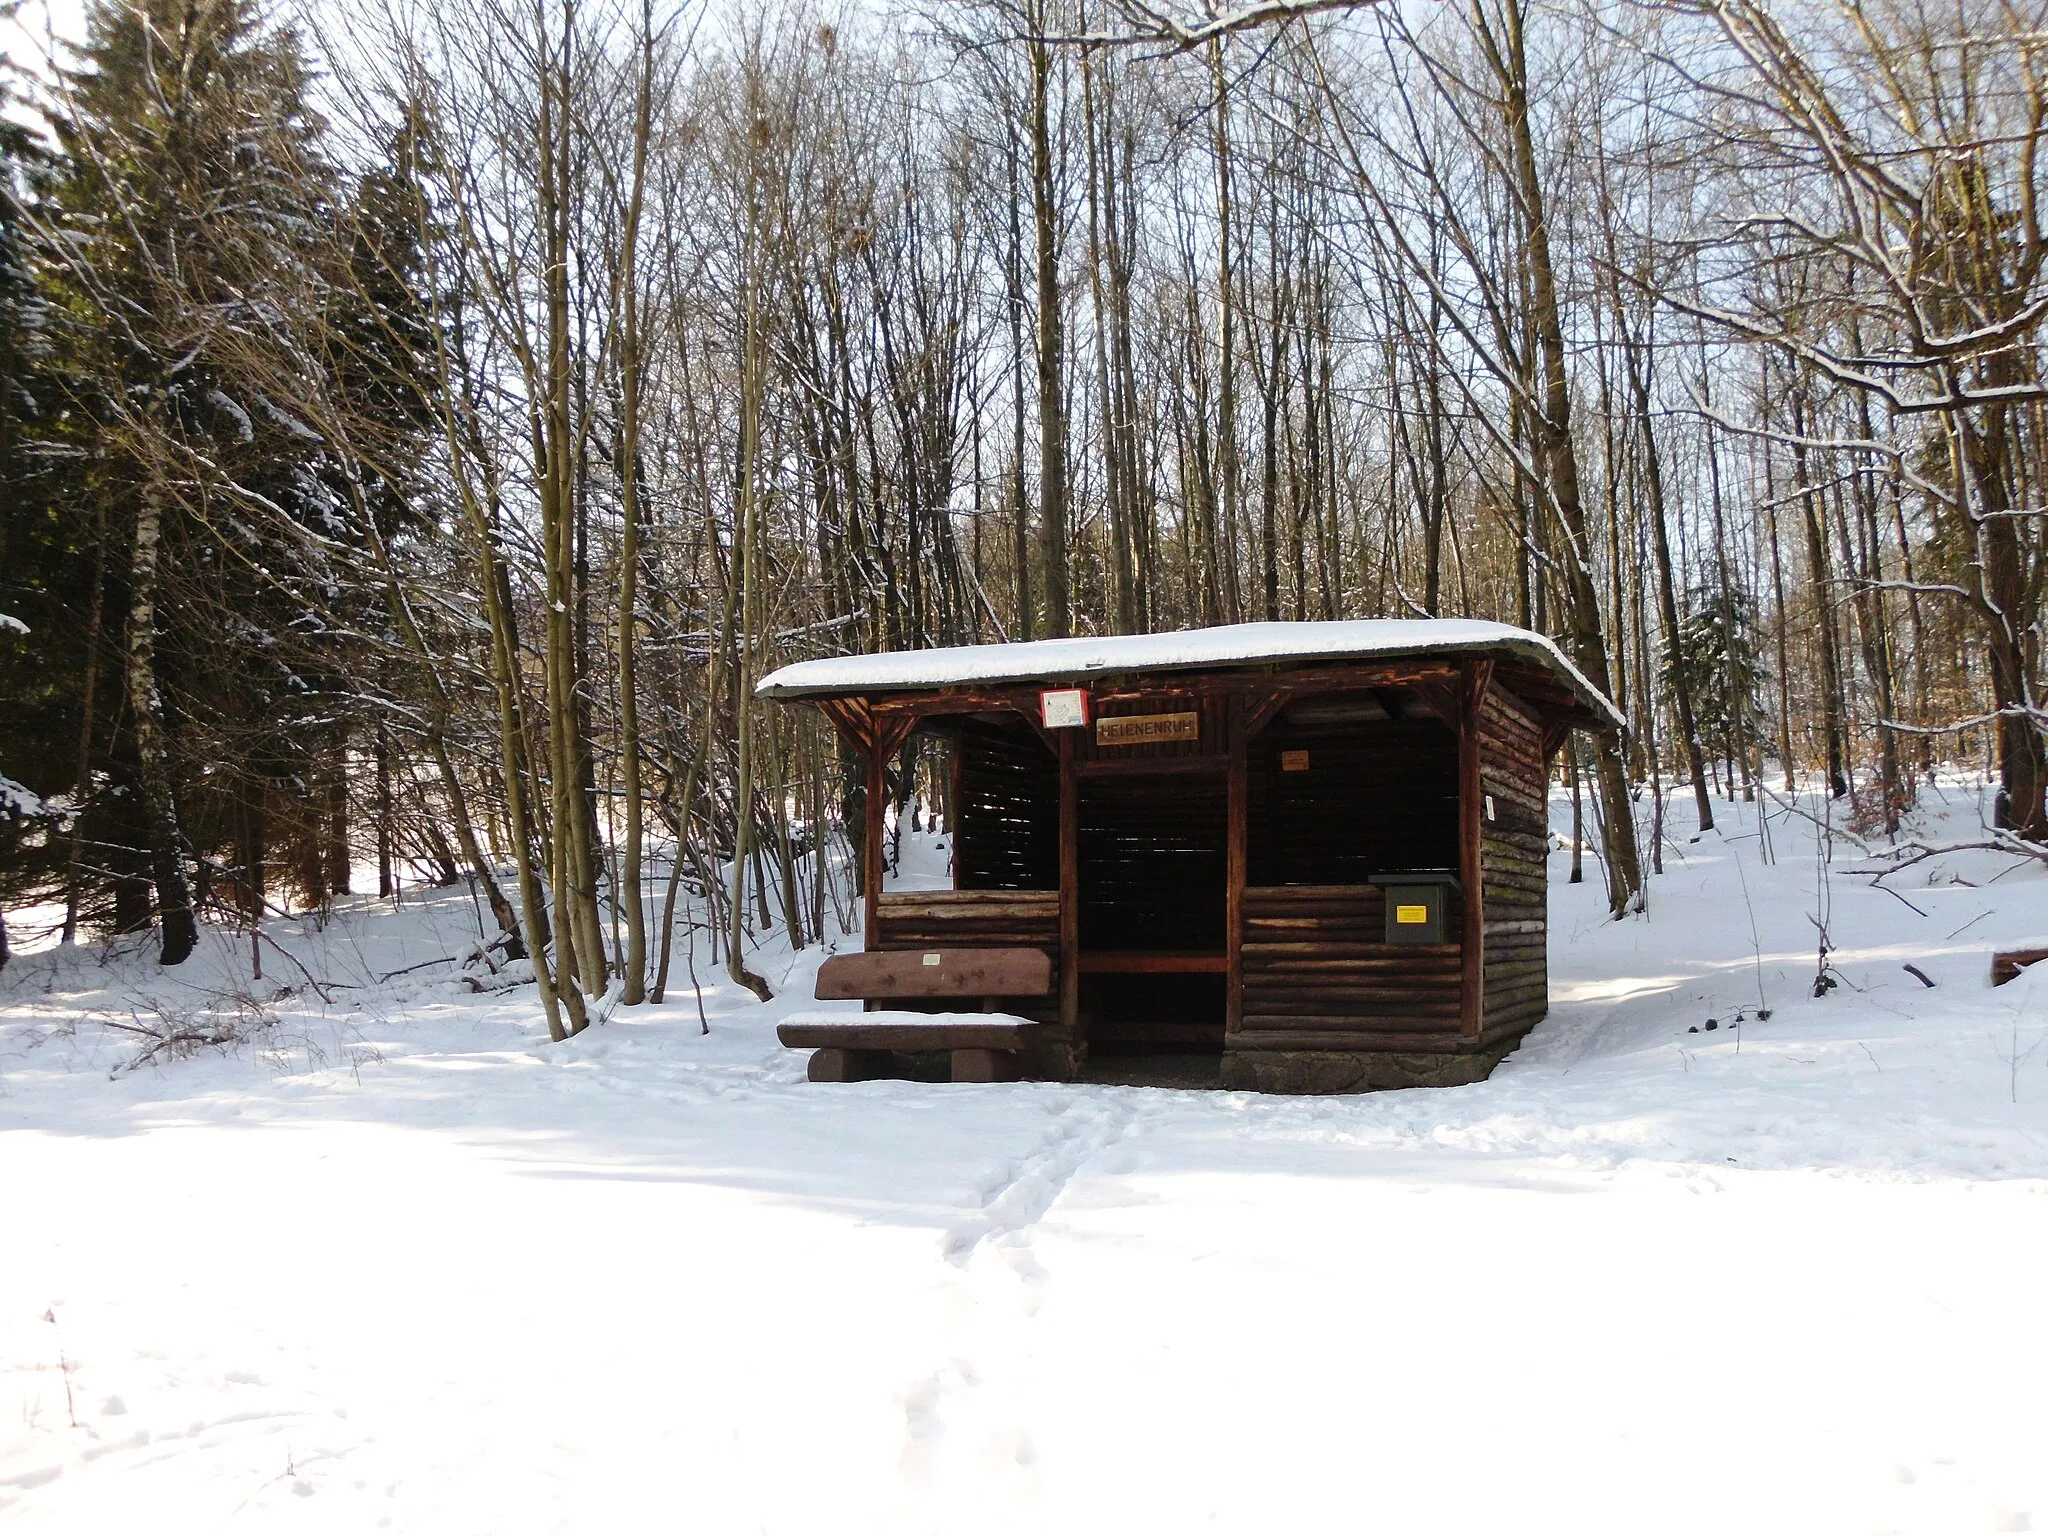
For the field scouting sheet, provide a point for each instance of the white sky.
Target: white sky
(26, 38)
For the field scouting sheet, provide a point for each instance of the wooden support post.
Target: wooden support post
(1070, 896)
(829, 1064)
(1237, 853)
(871, 844)
(974, 1065)
(1474, 679)
(953, 755)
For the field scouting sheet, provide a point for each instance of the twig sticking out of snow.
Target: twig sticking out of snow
(63, 1366)
(228, 1020)
(2000, 841)
(407, 970)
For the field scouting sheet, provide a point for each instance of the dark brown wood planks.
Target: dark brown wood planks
(1007, 809)
(1514, 850)
(954, 972)
(1475, 678)
(1319, 974)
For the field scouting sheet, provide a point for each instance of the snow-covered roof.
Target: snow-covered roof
(1224, 646)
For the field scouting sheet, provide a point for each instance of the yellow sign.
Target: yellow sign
(1405, 913)
(1294, 762)
(1143, 730)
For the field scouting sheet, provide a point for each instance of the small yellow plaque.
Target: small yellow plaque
(1294, 762)
(1407, 913)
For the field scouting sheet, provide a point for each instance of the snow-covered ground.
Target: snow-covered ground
(403, 1264)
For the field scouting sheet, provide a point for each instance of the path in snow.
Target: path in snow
(408, 1266)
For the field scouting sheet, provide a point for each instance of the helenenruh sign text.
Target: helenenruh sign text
(1142, 730)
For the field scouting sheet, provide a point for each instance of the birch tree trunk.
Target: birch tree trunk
(177, 923)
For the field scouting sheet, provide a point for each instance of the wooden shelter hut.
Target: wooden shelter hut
(1317, 850)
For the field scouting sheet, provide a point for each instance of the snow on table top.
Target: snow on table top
(1226, 645)
(900, 1018)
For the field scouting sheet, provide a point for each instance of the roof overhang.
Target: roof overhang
(1265, 647)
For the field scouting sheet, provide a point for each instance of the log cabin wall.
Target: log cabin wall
(1006, 860)
(1369, 796)
(969, 920)
(975, 920)
(1319, 975)
(1513, 849)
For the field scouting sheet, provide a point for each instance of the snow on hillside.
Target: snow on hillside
(400, 1263)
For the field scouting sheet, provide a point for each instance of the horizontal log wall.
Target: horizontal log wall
(976, 920)
(968, 919)
(1513, 852)
(1319, 974)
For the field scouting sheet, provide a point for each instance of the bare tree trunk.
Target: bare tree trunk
(751, 364)
(1020, 506)
(1560, 454)
(177, 923)
(1817, 571)
(1871, 622)
(1052, 407)
(1667, 587)
(1227, 474)
(81, 783)
(628, 894)
(1118, 476)
(2010, 602)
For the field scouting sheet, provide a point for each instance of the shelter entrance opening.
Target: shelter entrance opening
(1153, 870)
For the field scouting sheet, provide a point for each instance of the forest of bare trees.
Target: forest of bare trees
(420, 426)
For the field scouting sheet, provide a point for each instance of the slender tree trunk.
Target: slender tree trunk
(81, 783)
(1667, 586)
(1817, 572)
(2010, 603)
(1052, 408)
(1227, 473)
(1560, 455)
(1119, 491)
(628, 894)
(1020, 505)
(383, 792)
(177, 922)
(748, 535)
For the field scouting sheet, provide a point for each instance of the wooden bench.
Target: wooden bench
(855, 1047)
(2008, 963)
(985, 1047)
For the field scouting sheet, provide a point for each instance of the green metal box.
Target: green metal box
(1416, 899)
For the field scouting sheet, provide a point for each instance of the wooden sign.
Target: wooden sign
(1063, 707)
(1143, 730)
(1294, 762)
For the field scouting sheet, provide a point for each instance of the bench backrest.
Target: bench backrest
(915, 973)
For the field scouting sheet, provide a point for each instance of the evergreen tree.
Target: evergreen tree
(45, 555)
(194, 207)
(1724, 666)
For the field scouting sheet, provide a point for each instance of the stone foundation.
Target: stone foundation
(1355, 1071)
(1057, 1061)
